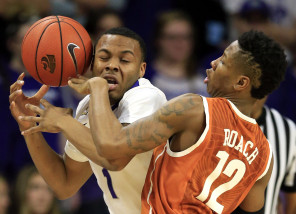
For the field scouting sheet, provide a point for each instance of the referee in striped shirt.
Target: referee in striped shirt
(281, 133)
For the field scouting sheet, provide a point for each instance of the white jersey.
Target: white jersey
(122, 189)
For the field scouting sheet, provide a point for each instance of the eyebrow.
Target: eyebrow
(108, 52)
(128, 51)
(103, 50)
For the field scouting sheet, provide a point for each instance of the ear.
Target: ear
(142, 69)
(242, 83)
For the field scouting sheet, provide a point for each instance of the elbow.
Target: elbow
(110, 147)
(115, 167)
(108, 151)
(117, 164)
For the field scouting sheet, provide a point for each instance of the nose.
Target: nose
(214, 63)
(112, 66)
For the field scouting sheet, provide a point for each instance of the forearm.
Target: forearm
(103, 123)
(49, 164)
(80, 136)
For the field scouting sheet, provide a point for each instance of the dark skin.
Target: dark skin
(114, 141)
(118, 59)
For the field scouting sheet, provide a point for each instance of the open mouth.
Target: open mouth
(207, 77)
(112, 82)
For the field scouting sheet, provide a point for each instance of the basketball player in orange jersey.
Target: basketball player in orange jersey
(217, 159)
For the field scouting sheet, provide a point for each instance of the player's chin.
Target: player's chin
(114, 97)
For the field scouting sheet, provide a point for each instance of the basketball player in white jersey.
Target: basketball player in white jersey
(119, 58)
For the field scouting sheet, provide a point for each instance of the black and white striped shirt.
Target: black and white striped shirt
(281, 133)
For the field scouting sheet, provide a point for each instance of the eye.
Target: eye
(124, 60)
(103, 58)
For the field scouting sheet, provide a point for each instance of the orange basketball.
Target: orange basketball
(56, 48)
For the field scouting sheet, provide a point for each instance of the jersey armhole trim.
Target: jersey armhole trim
(268, 164)
(200, 140)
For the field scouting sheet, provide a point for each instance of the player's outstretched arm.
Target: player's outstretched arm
(113, 141)
(54, 119)
(254, 201)
(18, 101)
(64, 175)
(59, 174)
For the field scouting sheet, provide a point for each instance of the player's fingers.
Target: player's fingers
(34, 109)
(82, 77)
(16, 86)
(21, 76)
(14, 111)
(12, 108)
(41, 92)
(45, 103)
(31, 130)
(14, 95)
(77, 80)
(30, 119)
(73, 85)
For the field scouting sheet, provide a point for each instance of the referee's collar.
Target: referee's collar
(261, 118)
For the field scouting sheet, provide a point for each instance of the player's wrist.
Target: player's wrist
(97, 84)
(63, 122)
(26, 127)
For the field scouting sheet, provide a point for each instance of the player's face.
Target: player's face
(223, 75)
(118, 60)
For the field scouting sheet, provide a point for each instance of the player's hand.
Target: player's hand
(48, 119)
(18, 101)
(80, 85)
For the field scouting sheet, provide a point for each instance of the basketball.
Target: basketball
(56, 48)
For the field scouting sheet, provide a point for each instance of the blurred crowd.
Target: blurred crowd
(182, 38)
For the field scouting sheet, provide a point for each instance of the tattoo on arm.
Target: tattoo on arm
(158, 128)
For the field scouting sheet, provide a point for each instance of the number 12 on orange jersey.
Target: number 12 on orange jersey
(229, 170)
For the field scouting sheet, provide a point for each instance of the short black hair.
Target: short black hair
(124, 31)
(266, 58)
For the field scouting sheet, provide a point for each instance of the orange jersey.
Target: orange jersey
(216, 173)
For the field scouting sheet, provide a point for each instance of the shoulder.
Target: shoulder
(185, 113)
(145, 90)
(189, 99)
(188, 106)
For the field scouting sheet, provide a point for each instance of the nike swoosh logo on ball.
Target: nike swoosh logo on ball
(71, 47)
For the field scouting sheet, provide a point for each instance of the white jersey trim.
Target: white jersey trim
(150, 178)
(241, 115)
(268, 163)
(200, 140)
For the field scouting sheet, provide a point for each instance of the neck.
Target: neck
(256, 113)
(245, 106)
